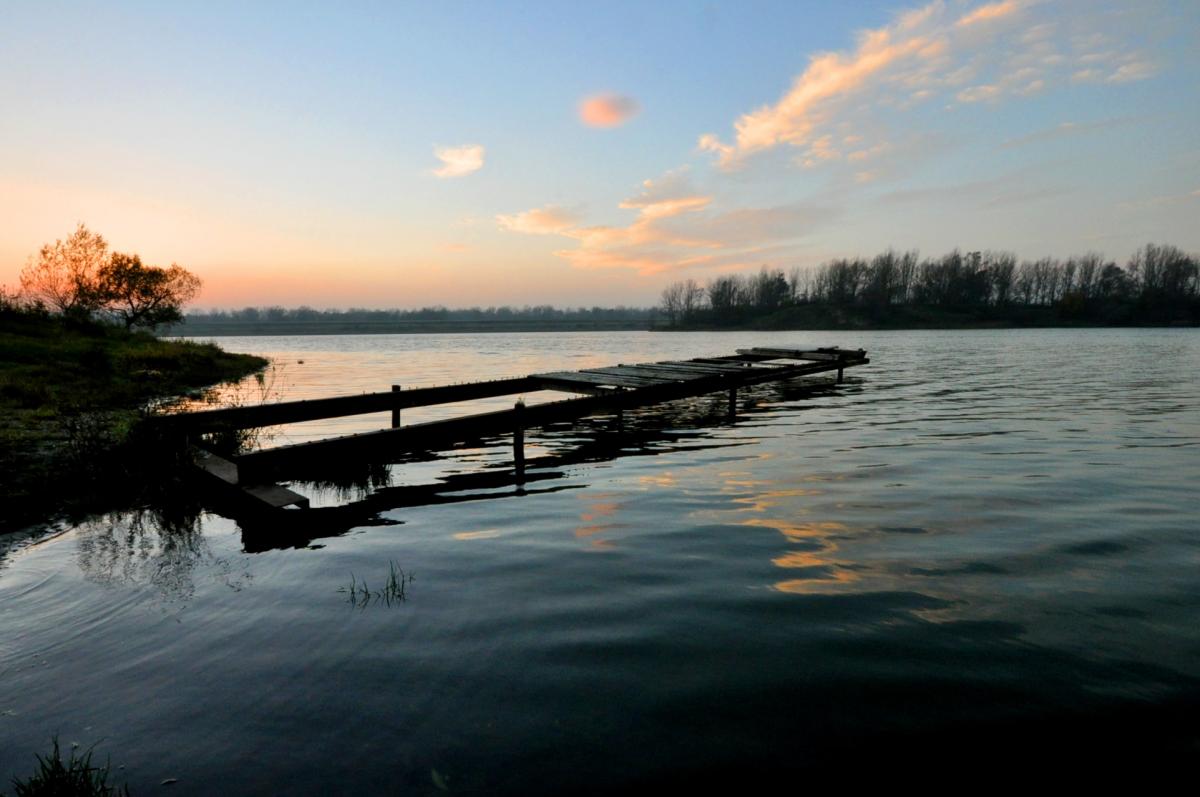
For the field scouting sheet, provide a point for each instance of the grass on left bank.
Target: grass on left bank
(71, 394)
(76, 776)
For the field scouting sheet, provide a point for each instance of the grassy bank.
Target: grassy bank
(70, 396)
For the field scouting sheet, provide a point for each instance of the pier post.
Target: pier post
(396, 410)
(732, 403)
(620, 420)
(840, 369)
(519, 442)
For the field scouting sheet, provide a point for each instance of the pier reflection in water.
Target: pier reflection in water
(979, 553)
(346, 495)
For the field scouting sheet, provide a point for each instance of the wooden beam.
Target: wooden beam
(568, 382)
(617, 376)
(277, 496)
(582, 379)
(223, 477)
(736, 359)
(658, 374)
(338, 406)
(708, 368)
(831, 353)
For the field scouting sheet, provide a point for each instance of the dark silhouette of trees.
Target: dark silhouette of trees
(252, 320)
(78, 278)
(145, 296)
(1159, 284)
(1167, 278)
(725, 295)
(769, 290)
(680, 300)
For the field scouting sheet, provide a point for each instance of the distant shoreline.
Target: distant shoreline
(187, 330)
(299, 329)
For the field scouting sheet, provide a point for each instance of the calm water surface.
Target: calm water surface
(981, 544)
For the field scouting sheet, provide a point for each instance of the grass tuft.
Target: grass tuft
(75, 777)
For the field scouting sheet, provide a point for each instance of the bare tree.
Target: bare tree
(64, 275)
(672, 302)
(693, 297)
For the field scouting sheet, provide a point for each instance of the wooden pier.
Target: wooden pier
(248, 481)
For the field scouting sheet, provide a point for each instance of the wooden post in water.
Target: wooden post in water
(732, 403)
(395, 410)
(620, 420)
(840, 369)
(519, 442)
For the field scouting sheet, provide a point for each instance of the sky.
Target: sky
(577, 154)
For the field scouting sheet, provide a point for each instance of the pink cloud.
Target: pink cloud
(989, 12)
(674, 228)
(996, 51)
(795, 117)
(607, 110)
(548, 220)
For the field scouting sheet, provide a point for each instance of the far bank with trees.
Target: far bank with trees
(1158, 285)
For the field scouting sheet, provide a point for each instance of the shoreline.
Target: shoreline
(72, 396)
(182, 331)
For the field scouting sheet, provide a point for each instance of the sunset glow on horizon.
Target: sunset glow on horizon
(492, 154)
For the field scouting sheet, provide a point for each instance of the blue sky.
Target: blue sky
(289, 153)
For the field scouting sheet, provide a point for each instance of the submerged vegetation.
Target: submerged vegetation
(394, 589)
(74, 381)
(1158, 285)
(75, 777)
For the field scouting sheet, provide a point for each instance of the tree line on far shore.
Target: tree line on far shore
(268, 316)
(1158, 284)
(79, 279)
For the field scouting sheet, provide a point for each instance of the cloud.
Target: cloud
(990, 53)
(795, 117)
(607, 110)
(1160, 201)
(1134, 70)
(988, 13)
(837, 117)
(675, 227)
(458, 161)
(979, 94)
(548, 220)
(1010, 189)
(666, 196)
(1066, 129)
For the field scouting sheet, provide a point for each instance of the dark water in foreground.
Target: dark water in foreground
(982, 548)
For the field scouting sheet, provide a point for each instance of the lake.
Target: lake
(981, 548)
